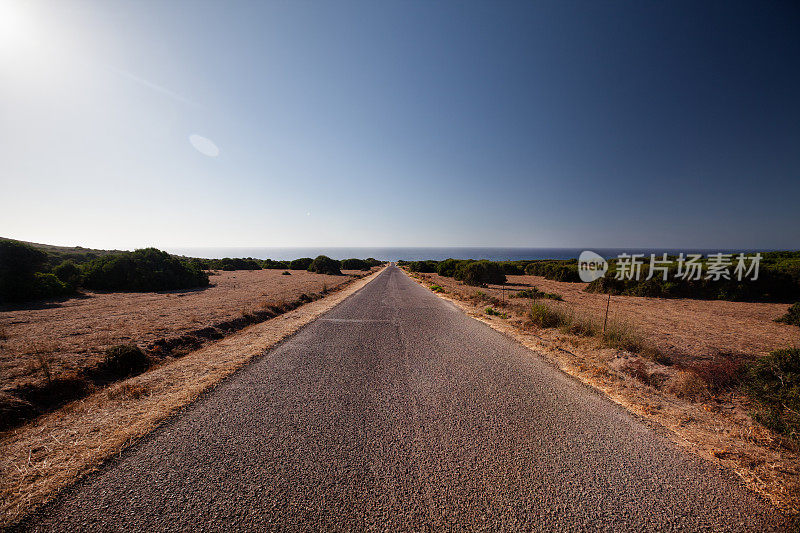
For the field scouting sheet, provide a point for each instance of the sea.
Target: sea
(435, 253)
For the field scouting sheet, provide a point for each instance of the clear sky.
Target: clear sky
(598, 124)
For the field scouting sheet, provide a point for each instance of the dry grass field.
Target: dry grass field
(686, 330)
(62, 337)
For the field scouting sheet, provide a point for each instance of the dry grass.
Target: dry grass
(73, 334)
(48, 454)
(688, 394)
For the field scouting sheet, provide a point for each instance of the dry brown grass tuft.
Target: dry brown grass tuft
(129, 391)
(639, 370)
(721, 372)
(687, 384)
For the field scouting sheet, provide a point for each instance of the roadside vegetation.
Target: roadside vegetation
(30, 272)
(792, 316)
(325, 265)
(144, 270)
(23, 274)
(774, 384)
(778, 281)
(494, 312)
(536, 294)
(475, 273)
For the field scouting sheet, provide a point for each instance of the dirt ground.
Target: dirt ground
(684, 329)
(73, 333)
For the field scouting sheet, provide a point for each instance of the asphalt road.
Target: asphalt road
(397, 411)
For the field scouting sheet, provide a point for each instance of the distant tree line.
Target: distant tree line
(778, 279)
(30, 273)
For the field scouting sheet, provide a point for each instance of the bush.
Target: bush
(147, 269)
(325, 265)
(773, 382)
(554, 270)
(622, 336)
(47, 285)
(122, 361)
(536, 294)
(481, 273)
(300, 264)
(494, 312)
(69, 274)
(355, 264)
(448, 267)
(286, 273)
(792, 316)
(544, 316)
(437, 288)
(423, 266)
(720, 373)
(270, 264)
(230, 264)
(20, 275)
(513, 268)
(687, 384)
(778, 281)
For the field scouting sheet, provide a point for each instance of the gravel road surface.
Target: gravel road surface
(396, 411)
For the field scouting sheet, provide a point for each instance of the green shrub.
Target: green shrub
(544, 316)
(373, 262)
(513, 268)
(355, 264)
(437, 288)
(236, 263)
(493, 312)
(554, 270)
(47, 285)
(147, 269)
(622, 336)
(773, 382)
(480, 273)
(69, 274)
(778, 281)
(448, 267)
(536, 294)
(582, 327)
(325, 265)
(300, 264)
(270, 264)
(21, 278)
(423, 266)
(792, 316)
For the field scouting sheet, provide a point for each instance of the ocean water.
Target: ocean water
(416, 254)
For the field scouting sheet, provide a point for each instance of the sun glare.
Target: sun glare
(16, 27)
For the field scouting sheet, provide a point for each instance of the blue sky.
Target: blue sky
(598, 124)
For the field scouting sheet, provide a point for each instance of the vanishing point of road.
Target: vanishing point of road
(396, 411)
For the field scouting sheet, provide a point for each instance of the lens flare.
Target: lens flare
(203, 145)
